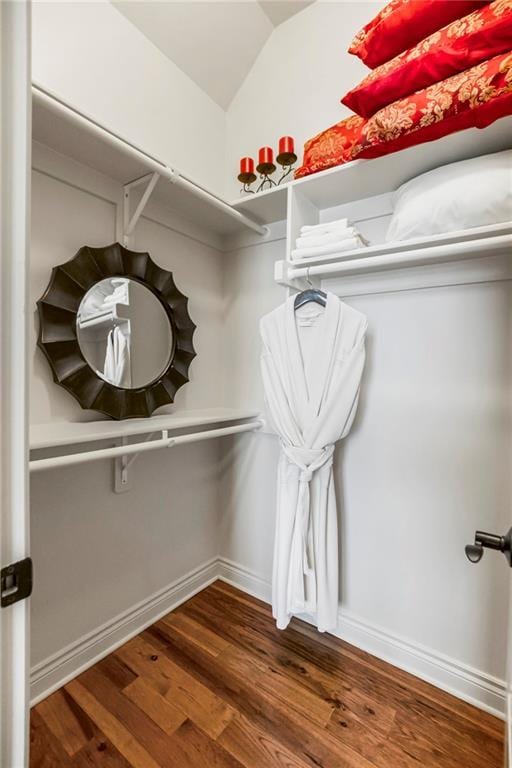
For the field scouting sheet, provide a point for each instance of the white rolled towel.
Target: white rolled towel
(311, 241)
(328, 226)
(349, 244)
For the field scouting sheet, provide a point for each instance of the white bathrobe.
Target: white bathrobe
(116, 369)
(312, 364)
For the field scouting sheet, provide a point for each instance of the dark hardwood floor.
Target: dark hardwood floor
(215, 685)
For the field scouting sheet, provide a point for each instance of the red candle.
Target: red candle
(246, 165)
(265, 155)
(286, 145)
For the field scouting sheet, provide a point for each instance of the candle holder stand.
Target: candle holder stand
(246, 179)
(286, 161)
(265, 170)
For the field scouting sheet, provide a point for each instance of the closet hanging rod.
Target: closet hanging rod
(70, 114)
(37, 465)
(471, 249)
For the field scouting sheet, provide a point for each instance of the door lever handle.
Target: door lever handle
(474, 552)
(483, 540)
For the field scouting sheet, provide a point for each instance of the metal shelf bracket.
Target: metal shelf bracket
(124, 462)
(130, 221)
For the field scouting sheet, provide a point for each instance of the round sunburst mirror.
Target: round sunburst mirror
(116, 331)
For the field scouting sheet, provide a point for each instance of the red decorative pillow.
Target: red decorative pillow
(458, 46)
(326, 149)
(403, 23)
(471, 99)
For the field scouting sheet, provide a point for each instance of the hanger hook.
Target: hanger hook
(308, 279)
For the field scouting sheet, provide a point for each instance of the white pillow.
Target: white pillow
(470, 193)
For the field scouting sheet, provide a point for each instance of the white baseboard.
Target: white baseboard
(465, 682)
(461, 680)
(58, 669)
(455, 677)
(244, 579)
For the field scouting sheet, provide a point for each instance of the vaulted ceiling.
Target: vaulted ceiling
(214, 43)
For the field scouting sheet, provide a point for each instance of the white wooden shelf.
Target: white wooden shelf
(67, 131)
(65, 433)
(456, 246)
(267, 206)
(362, 179)
(414, 244)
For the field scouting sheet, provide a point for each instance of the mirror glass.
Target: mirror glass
(124, 332)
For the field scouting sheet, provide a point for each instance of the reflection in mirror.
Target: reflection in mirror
(124, 332)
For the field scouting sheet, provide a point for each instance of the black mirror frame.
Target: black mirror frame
(58, 308)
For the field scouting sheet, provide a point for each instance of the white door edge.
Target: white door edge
(15, 142)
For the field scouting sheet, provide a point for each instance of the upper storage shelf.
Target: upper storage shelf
(362, 179)
(64, 433)
(70, 133)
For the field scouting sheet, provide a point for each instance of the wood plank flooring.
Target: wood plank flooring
(215, 685)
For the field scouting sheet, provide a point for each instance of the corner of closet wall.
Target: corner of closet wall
(305, 64)
(295, 85)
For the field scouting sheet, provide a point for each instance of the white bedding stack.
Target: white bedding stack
(326, 239)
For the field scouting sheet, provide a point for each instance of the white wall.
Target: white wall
(97, 554)
(295, 86)
(92, 57)
(427, 464)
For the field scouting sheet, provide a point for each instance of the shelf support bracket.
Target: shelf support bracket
(123, 463)
(130, 222)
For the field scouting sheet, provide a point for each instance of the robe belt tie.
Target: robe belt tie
(308, 461)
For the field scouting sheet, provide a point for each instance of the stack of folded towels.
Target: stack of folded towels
(327, 239)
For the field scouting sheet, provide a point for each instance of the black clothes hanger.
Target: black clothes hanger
(310, 294)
